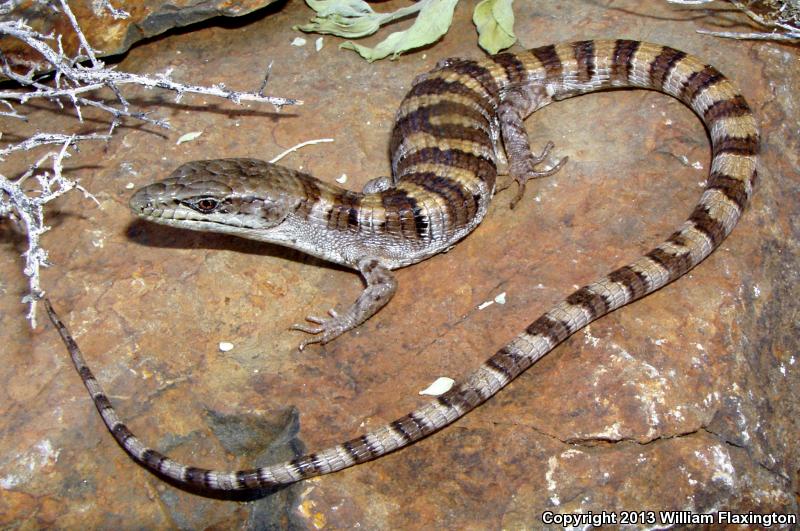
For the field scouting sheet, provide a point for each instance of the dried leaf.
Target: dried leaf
(188, 137)
(349, 18)
(495, 22)
(432, 22)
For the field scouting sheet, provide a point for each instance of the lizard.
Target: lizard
(444, 148)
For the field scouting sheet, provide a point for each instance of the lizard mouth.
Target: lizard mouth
(155, 211)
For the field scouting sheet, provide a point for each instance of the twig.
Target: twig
(90, 52)
(783, 16)
(91, 79)
(72, 82)
(298, 146)
(26, 208)
(43, 139)
(751, 36)
(118, 14)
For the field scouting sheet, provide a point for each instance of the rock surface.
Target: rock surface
(686, 400)
(111, 35)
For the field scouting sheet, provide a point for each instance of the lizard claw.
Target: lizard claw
(315, 319)
(521, 173)
(327, 330)
(308, 341)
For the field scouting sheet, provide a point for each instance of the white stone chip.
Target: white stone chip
(439, 387)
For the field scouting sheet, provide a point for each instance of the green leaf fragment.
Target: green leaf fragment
(350, 18)
(495, 22)
(433, 21)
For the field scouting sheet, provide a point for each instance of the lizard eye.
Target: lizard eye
(206, 205)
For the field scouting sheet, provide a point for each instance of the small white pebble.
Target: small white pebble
(225, 346)
(299, 41)
(342, 178)
(697, 165)
(318, 44)
(439, 387)
(500, 299)
(486, 304)
(130, 186)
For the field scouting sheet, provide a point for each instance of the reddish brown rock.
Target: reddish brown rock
(686, 400)
(110, 35)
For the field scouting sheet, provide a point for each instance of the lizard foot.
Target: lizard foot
(381, 285)
(328, 329)
(524, 169)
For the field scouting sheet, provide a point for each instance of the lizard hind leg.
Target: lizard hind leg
(380, 289)
(516, 104)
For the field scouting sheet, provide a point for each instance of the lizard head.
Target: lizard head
(245, 197)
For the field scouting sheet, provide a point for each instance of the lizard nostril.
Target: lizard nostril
(141, 201)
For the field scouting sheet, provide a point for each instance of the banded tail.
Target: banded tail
(564, 70)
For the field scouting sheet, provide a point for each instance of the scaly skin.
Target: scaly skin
(444, 169)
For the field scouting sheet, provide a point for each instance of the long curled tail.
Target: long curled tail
(563, 70)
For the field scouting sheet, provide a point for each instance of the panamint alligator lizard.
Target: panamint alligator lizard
(444, 152)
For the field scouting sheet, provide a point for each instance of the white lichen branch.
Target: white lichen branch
(116, 13)
(91, 53)
(71, 82)
(23, 203)
(43, 139)
(781, 16)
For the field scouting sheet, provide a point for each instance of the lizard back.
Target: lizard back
(444, 169)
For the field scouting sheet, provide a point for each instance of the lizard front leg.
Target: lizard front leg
(516, 104)
(380, 288)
